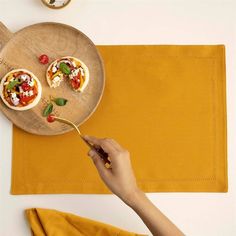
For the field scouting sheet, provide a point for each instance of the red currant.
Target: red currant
(51, 118)
(44, 59)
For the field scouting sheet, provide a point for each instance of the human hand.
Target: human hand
(119, 177)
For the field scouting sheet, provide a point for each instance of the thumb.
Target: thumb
(99, 163)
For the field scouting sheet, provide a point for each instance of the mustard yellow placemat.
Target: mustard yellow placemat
(166, 104)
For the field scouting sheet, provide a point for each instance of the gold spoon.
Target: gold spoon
(98, 150)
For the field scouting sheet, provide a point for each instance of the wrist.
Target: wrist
(134, 198)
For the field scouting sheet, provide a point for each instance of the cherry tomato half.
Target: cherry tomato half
(25, 86)
(75, 82)
(25, 99)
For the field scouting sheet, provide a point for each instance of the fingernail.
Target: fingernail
(91, 153)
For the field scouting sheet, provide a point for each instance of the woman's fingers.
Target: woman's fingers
(99, 163)
(108, 147)
(116, 145)
(105, 144)
(92, 139)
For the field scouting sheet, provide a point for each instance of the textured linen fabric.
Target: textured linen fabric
(165, 104)
(47, 222)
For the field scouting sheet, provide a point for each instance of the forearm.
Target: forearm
(121, 181)
(157, 223)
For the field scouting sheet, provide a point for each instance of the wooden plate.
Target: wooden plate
(22, 49)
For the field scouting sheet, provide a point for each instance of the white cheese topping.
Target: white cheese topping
(31, 83)
(15, 100)
(75, 72)
(13, 95)
(24, 77)
(31, 93)
(26, 93)
(56, 81)
(20, 89)
(71, 76)
(81, 71)
(74, 64)
(54, 69)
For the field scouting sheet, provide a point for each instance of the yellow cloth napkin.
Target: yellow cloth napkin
(45, 222)
(166, 104)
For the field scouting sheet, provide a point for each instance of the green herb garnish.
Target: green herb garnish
(60, 101)
(65, 68)
(48, 109)
(12, 84)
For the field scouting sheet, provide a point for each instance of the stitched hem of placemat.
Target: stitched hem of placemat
(211, 186)
(148, 187)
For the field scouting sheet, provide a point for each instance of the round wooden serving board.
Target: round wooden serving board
(22, 49)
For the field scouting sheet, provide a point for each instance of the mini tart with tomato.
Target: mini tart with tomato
(71, 69)
(20, 90)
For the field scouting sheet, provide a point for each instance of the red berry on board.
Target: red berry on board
(51, 118)
(44, 59)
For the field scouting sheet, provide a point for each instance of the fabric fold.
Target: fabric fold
(47, 222)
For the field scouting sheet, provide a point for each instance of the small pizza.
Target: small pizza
(20, 90)
(70, 69)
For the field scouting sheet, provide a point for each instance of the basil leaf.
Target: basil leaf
(64, 68)
(12, 84)
(60, 101)
(48, 109)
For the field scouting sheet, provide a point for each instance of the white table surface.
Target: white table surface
(133, 22)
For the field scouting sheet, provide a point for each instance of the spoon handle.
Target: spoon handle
(98, 150)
